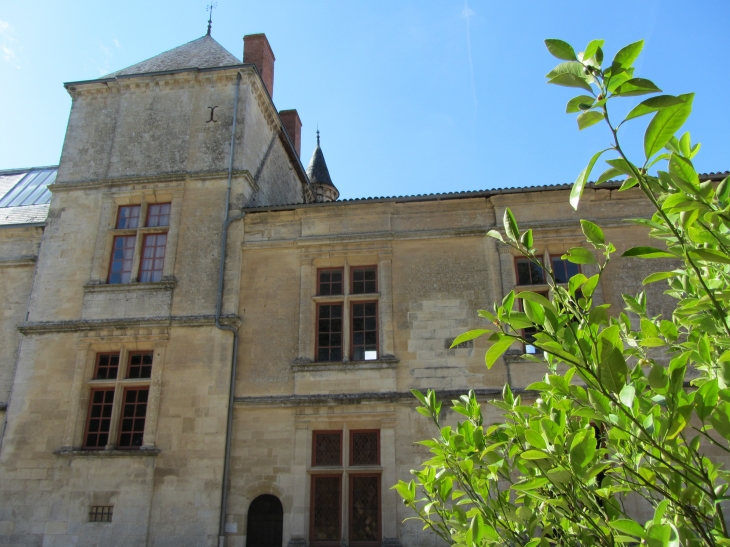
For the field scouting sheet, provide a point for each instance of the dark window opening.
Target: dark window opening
(562, 269)
(140, 365)
(329, 332)
(364, 331)
(365, 509)
(529, 273)
(101, 513)
(131, 430)
(365, 447)
(364, 280)
(107, 366)
(327, 448)
(265, 522)
(98, 421)
(329, 282)
(325, 526)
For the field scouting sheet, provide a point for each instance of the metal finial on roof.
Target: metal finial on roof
(317, 135)
(209, 8)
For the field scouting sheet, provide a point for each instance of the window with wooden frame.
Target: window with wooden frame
(365, 447)
(364, 280)
(529, 273)
(364, 509)
(152, 235)
(326, 448)
(101, 513)
(111, 388)
(364, 330)
(329, 332)
(562, 269)
(330, 281)
(363, 502)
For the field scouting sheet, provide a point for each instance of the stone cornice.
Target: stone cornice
(166, 178)
(325, 399)
(27, 260)
(76, 452)
(80, 325)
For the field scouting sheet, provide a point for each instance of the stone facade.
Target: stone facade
(150, 139)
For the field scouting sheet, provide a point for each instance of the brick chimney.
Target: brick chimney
(293, 126)
(257, 51)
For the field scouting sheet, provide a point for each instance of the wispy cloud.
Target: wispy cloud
(107, 57)
(8, 44)
(116, 43)
(467, 14)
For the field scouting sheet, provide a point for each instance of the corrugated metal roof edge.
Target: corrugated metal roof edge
(26, 169)
(465, 194)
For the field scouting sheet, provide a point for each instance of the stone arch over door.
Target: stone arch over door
(265, 522)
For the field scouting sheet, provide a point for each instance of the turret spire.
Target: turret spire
(319, 176)
(209, 9)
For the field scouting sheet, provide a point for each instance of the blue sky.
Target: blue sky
(411, 96)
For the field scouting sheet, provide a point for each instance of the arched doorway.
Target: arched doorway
(265, 522)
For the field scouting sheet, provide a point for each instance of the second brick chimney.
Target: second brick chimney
(257, 51)
(293, 126)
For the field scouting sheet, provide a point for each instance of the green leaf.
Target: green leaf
(608, 174)
(580, 183)
(495, 234)
(471, 335)
(535, 439)
(627, 55)
(647, 252)
(571, 80)
(579, 255)
(583, 448)
(658, 276)
(720, 419)
(665, 124)
(711, 255)
(497, 350)
(574, 104)
(592, 49)
(587, 119)
(627, 395)
(628, 183)
(593, 233)
(526, 239)
(683, 168)
(560, 49)
(623, 166)
(535, 312)
(590, 285)
(636, 86)
(723, 190)
(653, 104)
(669, 330)
(510, 225)
(627, 526)
(534, 455)
(571, 67)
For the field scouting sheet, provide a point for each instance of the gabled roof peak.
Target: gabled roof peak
(204, 52)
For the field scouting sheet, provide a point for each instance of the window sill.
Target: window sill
(334, 469)
(95, 287)
(305, 365)
(115, 453)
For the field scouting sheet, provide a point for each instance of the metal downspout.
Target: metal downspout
(219, 304)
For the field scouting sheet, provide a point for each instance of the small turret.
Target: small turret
(319, 176)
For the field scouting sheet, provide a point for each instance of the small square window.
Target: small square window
(364, 280)
(562, 269)
(158, 214)
(327, 448)
(128, 217)
(107, 366)
(101, 513)
(529, 273)
(329, 281)
(140, 365)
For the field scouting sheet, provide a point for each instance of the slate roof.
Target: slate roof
(464, 194)
(204, 52)
(317, 170)
(24, 196)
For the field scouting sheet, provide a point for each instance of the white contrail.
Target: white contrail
(467, 13)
